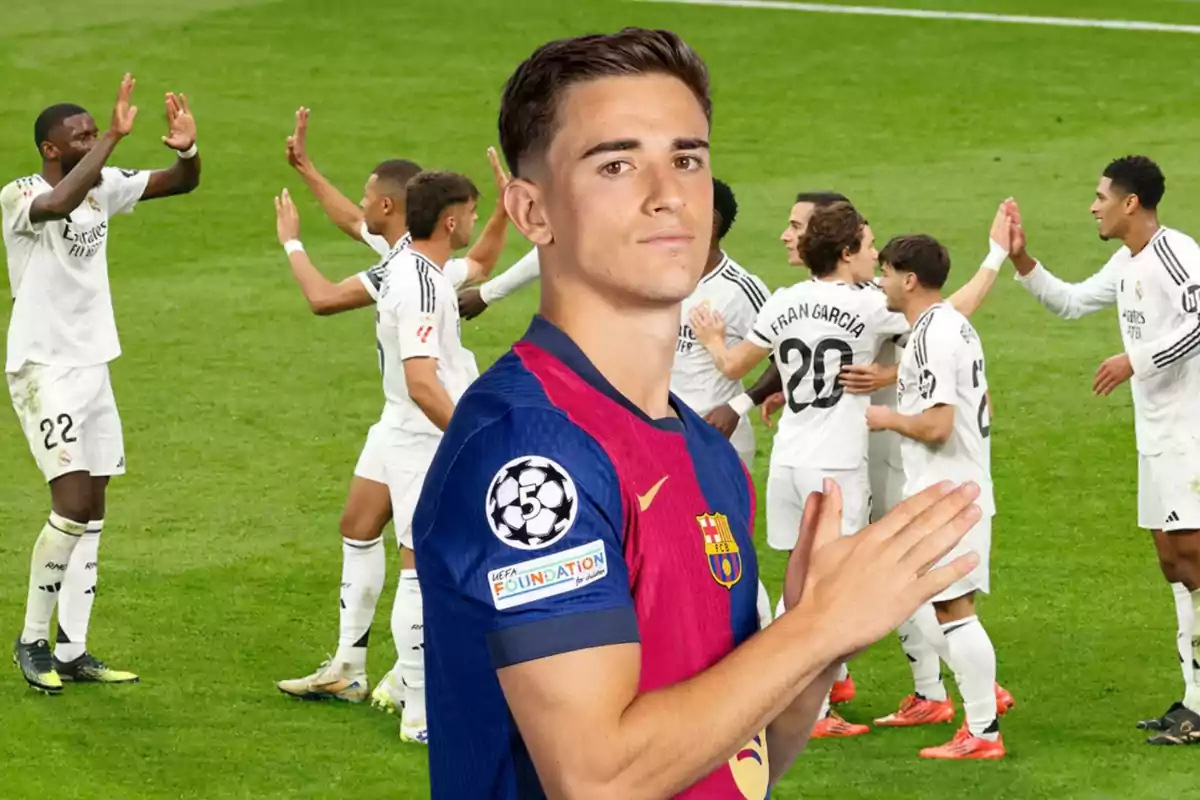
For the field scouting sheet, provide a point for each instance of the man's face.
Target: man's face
(1109, 209)
(71, 140)
(893, 287)
(797, 225)
(375, 206)
(462, 219)
(862, 263)
(626, 188)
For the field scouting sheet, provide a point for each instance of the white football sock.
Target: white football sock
(364, 568)
(922, 657)
(1186, 615)
(47, 570)
(78, 595)
(1192, 698)
(825, 707)
(843, 672)
(973, 660)
(408, 628)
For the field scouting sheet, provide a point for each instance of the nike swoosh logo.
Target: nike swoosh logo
(644, 500)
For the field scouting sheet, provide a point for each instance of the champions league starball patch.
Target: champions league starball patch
(531, 503)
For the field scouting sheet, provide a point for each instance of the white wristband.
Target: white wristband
(741, 404)
(190, 152)
(293, 246)
(996, 256)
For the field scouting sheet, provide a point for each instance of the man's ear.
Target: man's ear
(525, 204)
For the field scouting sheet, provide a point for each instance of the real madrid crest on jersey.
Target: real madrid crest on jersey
(724, 558)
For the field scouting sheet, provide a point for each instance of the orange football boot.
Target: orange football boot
(917, 710)
(832, 726)
(965, 746)
(1004, 701)
(843, 691)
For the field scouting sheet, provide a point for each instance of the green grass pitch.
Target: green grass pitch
(244, 414)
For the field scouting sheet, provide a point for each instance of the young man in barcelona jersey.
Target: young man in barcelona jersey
(583, 539)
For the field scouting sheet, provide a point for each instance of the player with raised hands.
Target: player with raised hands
(61, 338)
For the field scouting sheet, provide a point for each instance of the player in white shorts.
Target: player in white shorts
(379, 221)
(61, 338)
(1154, 280)
(425, 370)
(820, 330)
(944, 417)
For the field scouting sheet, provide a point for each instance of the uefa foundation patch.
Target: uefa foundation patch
(548, 576)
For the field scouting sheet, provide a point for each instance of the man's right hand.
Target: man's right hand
(297, 143)
(123, 114)
(866, 585)
(769, 406)
(470, 303)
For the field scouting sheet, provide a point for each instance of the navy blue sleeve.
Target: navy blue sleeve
(527, 526)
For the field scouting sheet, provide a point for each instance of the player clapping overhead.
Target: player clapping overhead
(61, 337)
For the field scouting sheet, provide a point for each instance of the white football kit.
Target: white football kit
(816, 329)
(885, 464)
(416, 317)
(63, 333)
(738, 296)
(1157, 294)
(943, 365)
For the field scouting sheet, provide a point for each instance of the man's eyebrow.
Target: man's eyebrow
(612, 146)
(622, 145)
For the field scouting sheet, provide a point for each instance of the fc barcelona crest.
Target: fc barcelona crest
(724, 558)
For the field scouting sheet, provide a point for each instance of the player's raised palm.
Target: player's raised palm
(287, 218)
(869, 583)
(1001, 232)
(181, 125)
(124, 113)
(297, 143)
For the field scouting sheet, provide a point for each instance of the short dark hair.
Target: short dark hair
(821, 198)
(1138, 175)
(832, 229)
(429, 194)
(529, 104)
(50, 118)
(396, 173)
(922, 255)
(725, 204)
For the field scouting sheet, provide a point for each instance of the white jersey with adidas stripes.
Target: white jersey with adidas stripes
(817, 328)
(417, 317)
(738, 296)
(943, 364)
(373, 278)
(1157, 294)
(62, 311)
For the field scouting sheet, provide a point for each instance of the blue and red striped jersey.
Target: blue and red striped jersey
(557, 516)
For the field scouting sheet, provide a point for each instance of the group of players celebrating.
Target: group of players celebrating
(581, 514)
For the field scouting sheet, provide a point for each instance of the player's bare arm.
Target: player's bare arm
(184, 175)
(868, 378)
(853, 591)
(323, 295)
(970, 297)
(483, 255)
(420, 374)
(727, 417)
(341, 210)
(74, 187)
(932, 426)
(734, 363)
